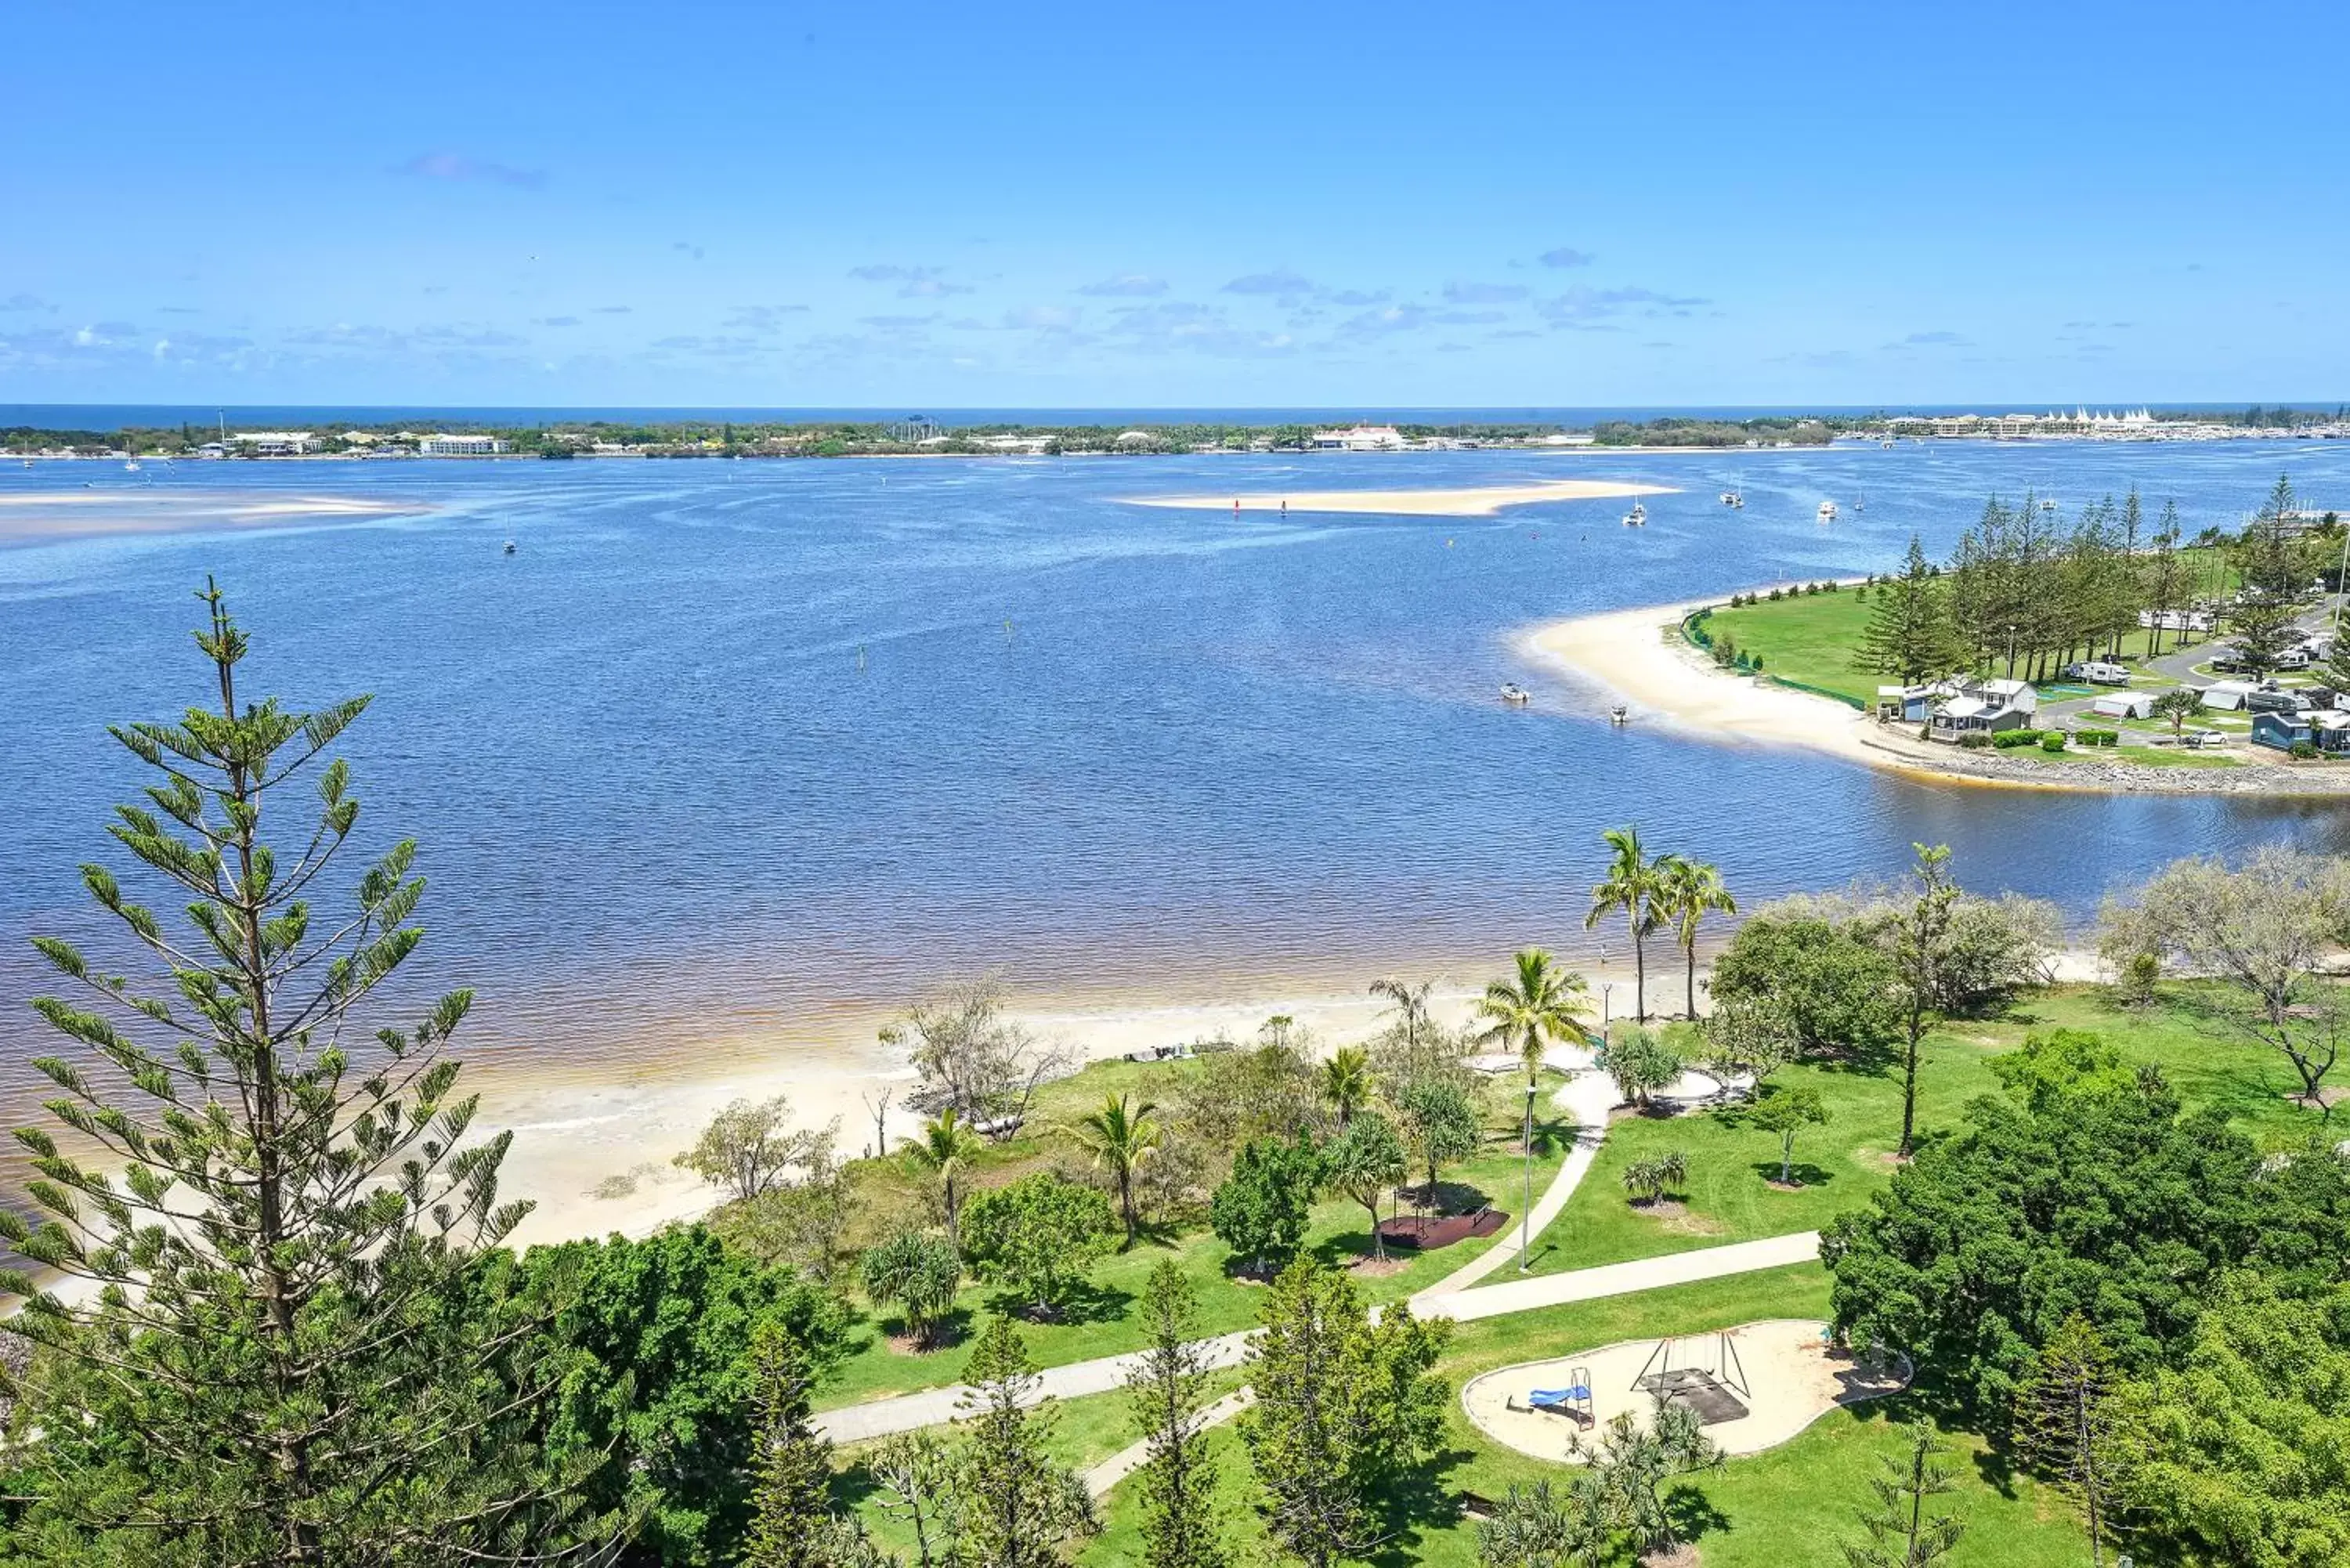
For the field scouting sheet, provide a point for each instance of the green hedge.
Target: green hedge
(2008, 739)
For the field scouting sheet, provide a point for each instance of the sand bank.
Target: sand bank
(46, 517)
(1476, 500)
(1639, 657)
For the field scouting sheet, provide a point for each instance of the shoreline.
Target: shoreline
(577, 1129)
(1639, 656)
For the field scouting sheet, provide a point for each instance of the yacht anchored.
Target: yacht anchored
(1638, 517)
(1732, 498)
(1827, 511)
(1515, 694)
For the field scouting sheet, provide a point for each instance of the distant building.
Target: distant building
(446, 445)
(275, 444)
(1361, 437)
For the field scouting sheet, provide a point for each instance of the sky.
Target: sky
(1043, 205)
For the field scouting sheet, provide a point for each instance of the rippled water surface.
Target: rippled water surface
(731, 749)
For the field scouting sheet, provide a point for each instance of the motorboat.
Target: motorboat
(1732, 498)
(2048, 506)
(1619, 714)
(1515, 694)
(1887, 444)
(131, 467)
(510, 546)
(1827, 511)
(1638, 517)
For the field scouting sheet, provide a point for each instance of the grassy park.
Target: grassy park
(1101, 1323)
(1728, 1198)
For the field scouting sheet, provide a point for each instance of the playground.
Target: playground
(1754, 1387)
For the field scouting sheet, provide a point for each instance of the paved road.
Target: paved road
(880, 1418)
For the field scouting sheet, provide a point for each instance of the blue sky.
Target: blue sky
(1044, 205)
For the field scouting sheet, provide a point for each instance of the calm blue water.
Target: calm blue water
(1089, 745)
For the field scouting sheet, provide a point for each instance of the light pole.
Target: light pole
(1527, 1219)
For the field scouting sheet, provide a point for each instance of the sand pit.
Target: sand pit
(1480, 501)
(1791, 1377)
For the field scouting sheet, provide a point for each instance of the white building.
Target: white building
(275, 444)
(1361, 437)
(446, 445)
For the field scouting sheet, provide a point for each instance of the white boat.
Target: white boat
(1619, 714)
(1887, 443)
(2048, 506)
(131, 468)
(1827, 512)
(1732, 498)
(1515, 695)
(1638, 517)
(510, 546)
(1860, 503)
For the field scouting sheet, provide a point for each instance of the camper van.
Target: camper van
(2097, 673)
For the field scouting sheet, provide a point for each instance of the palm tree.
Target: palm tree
(946, 1146)
(1540, 1007)
(1122, 1137)
(1691, 890)
(1347, 1081)
(1632, 886)
(1410, 1006)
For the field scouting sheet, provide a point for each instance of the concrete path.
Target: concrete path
(935, 1407)
(1587, 1098)
(1622, 1279)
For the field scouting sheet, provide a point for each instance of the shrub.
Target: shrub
(1776, 596)
(1832, 587)
(1974, 741)
(1758, 661)
(2303, 752)
(2007, 739)
(2053, 740)
(917, 1271)
(1649, 1179)
(1038, 1236)
(1811, 588)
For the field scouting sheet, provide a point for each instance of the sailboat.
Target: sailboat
(1638, 517)
(1732, 498)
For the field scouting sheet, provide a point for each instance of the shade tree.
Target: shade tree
(1038, 1236)
(1367, 1162)
(917, 1271)
(1261, 1210)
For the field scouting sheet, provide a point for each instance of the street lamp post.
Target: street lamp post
(1527, 1219)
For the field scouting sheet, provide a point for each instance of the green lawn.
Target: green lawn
(1726, 1197)
(1809, 639)
(1100, 1326)
(1789, 1505)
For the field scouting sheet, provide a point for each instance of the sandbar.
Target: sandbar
(1640, 657)
(47, 516)
(1472, 501)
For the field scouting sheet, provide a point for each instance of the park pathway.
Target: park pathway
(934, 1407)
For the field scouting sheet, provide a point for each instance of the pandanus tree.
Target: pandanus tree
(1691, 890)
(1633, 887)
(1122, 1136)
(945, 1150)
(1347, 1082)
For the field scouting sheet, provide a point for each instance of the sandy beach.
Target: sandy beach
(1476, 500)
(1639, 657)
(576, 1133)
(47, 516)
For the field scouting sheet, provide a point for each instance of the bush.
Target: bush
(1974, 741)
(2008, 739)
(916, 1271)
(1776, 596)
(1758, 662)
(2053, 740)
(1831, 588)
(1811, 588)
(2303, 752)
(1038, 1236)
